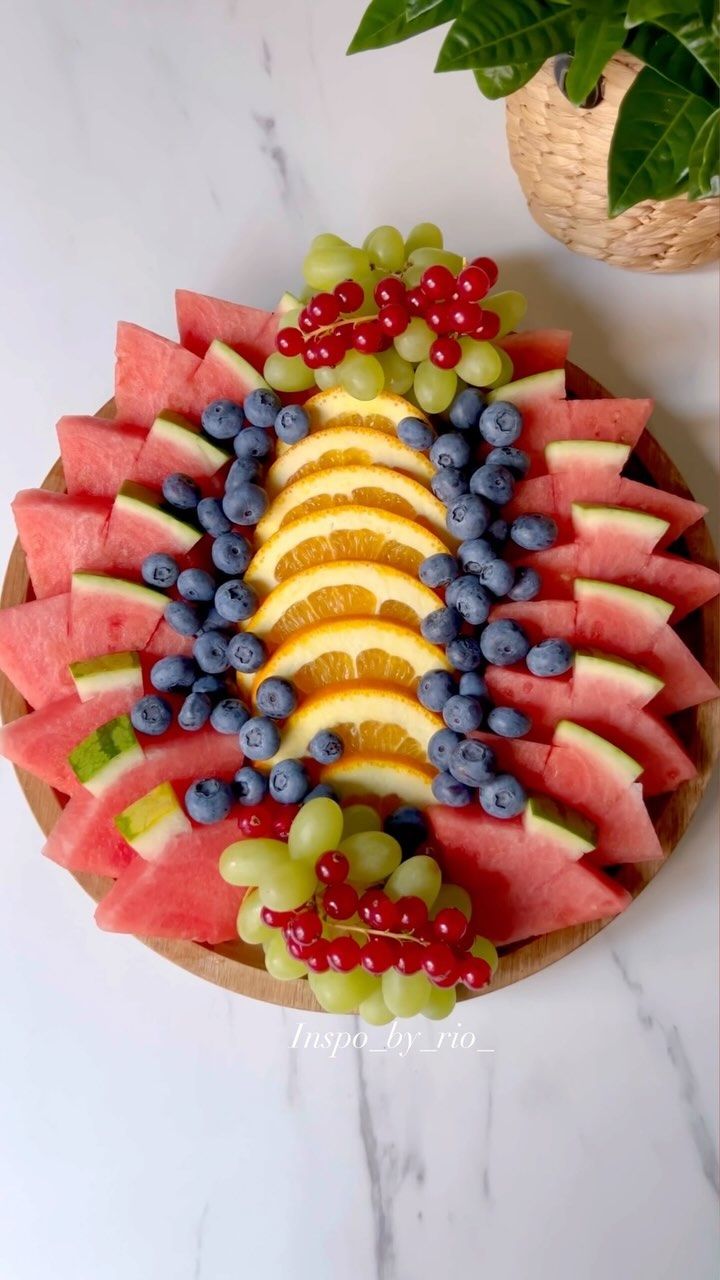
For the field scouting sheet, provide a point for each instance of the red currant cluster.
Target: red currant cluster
(396, 934)
(269, 820)
(449, 305)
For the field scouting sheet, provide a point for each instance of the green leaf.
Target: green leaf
(656, 127)
(498, 33)
(681, 19)
(498, 82)
(386, 22)
(658, 49)
(705, 160)
(419, 8)
(599, 35)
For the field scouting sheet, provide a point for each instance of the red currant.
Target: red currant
(489, 267)
(466, 316)
(425, 932)
(439, 319)
(451, 980)
(316, 956)
(475, 973)
(416, 301)
(393, 319)
(331, 350)
(344, 954)
(275, 919)
(305, 321)
(332, 868)
(388, 291)
(488, 328)
(466, 939)
(312, 356)
(283, 820)
(438, 283)
(450, 925)
(412, 913)
(472, 284)
(350, 295)
(324, 308)
(409, 958)
(439, 961)
(367, 337)
(298, 950)
(367, 904)
(306, 927)
(290, 342)
(378, 955)
(384, 913)
(445, 353)
(340, 901)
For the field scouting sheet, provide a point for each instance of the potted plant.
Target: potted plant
(613, 114)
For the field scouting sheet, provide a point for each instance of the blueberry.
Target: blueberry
(242, 471)
(499, 531)
(516, 460)
(212, 518)
(473, 685)
(464, 653)
(497, 484)
(181, 491)
(222, 419)
(473, 763)
(503, 797)
(229, 716)
(509, 722)
(194, 712)
(321, 792)
(250, 785)
(475, 553)
(526, 585)
(245, 505)
(183, 619)
(550, 657)
(534, 532)
(438, 570)
(441, 746)
(231, 553)
(466, 409)
(467, 517)
(441, 626)
(246, 652)
(262, 407)
(504, 642)
(469, 597)
(435, 688)
(210, 651)
(407, 825)
(449, 484)
(209, 800)
(253, 442)
(259, 738)
(416, 433)
(447, 790)
(463, 713)
(276, 698)
(500, 423)
(172, 673)
(498, 576)
(159, 570)
(214, 621)
(235, 601)
(289, 782)
(292, 424)
(151, 715)
(450, 450)
(208, 684)
(196, 585)
(325, 747)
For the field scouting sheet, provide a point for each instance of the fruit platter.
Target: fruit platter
(361, 654)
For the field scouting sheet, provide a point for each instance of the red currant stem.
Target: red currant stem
(377, 933)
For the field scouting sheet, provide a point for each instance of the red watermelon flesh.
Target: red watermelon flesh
(151, 374)
(59, 534)
(138, 527)
(220, 376)
(165, 641)
(622, 421)
(555, 494)
(625, 830)
(181, 894)
(42, 741)
(536, 350)
(247, 330)
(34, 648)
(126, 613)
(521, 885)
(175, 444)
(98, 453)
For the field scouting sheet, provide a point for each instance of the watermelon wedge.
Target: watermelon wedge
(545, 421)
(247, 330)
(151, 374)
(223, 374)
(536, 350)
(540, 388)
(42, 741)
(179, 894)
(34, 648)
(59, 534)
(520, 885)
(127, 613)
(98, 453)
(140, 525)
(175, 444)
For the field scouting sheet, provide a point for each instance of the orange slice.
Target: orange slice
(346, 447)
(355, 777)
(371, 719)
(336, 408)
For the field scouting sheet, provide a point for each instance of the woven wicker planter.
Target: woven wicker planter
(560, 154)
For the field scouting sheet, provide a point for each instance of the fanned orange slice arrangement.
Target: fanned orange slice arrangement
(378, 678)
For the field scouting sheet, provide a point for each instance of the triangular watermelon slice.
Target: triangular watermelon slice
(151, 374)
(223, 374)
(34, 648)
(139, 525)
(42, 741)
(175, 444)
(98, 453)
(536, 350)
(540, 388)
(127, 613)
(59, 534)
(201, 319)
(544, 421)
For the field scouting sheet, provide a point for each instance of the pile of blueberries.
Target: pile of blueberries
(477, 466)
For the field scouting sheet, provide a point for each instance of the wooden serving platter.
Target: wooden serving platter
(238, 967)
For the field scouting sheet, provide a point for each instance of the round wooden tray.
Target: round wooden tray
(240, 968)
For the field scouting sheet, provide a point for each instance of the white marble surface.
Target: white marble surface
(153, 1127)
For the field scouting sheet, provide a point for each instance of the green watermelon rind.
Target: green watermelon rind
(600, 521)
(150, 823)
(537, 386)
(180, 434)
(569, 830)
(136, 500)
(620, 671)
(107, 674)
(562, 455)
(639, 601)
(609, 757)
(108, 752)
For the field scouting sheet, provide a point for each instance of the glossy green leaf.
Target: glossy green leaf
(658, 49)
(656, 127)
(498, 82)
(386, 22)
(420, 8)
(705, 160)
(497, 33)
(682, 19)
(599, 35)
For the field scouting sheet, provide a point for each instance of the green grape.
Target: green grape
(247, 861)
(324, 268)
(361, 376)
(440, 1003)
(434, 388)
(425, 257)
(385, 248)
(412, 276)
(249, 925)
(367, 281)
(286, 887)
(289, 319)
(372, 855)
(453, 895)
(405, 994)
(399, 373)
(316, 828)
(479, 362)
(360, 817)
(326, 240)
(426, 235)
(510, 306)
(506, 369)
(325, 377)
(288, 373)
(417, 877)
(341, 992)
(483, 949)
(374, 1010)
(278, 961)
(415, 343)
(306, 294)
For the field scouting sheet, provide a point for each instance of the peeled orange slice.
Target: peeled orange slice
(371, 719)
(346, 447)
(356, 588)
(357, 776)
(335, 408)
(342, 533)
(357, 486)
